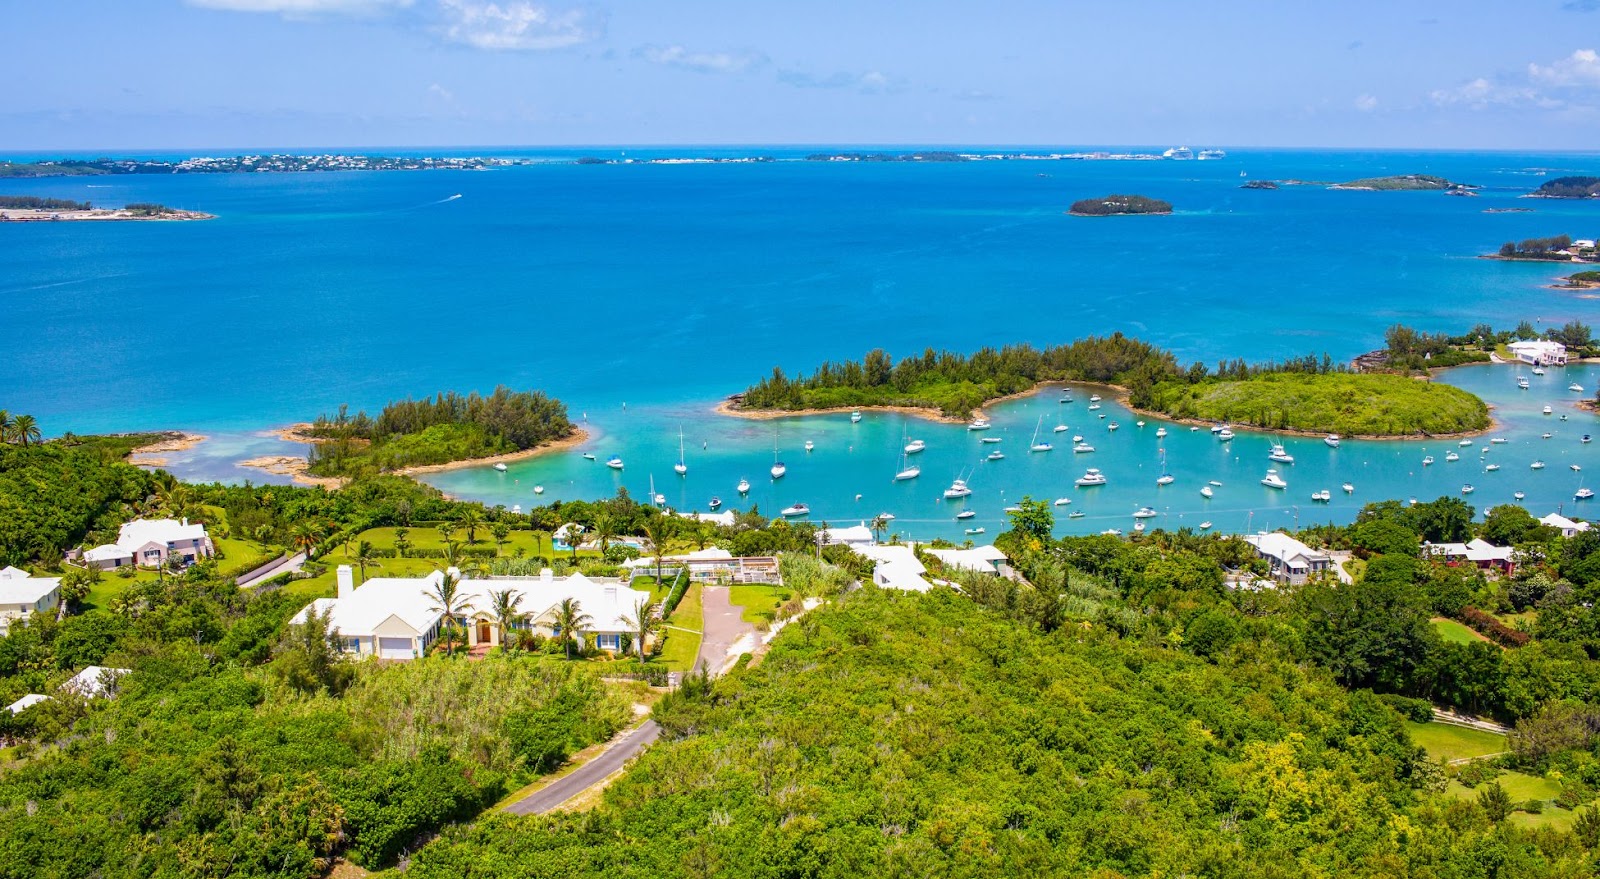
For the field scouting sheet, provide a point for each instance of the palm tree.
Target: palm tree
(605, 530)
(500, 531)
(448, 600)
(570, 621)
(878, 526)
(503, 604)
(645, 620)
(364, 556)
(659, 530)
(304, 537)
(573, 535)
(471, 520)
(452, 553)
(24, 429)
(5, 426)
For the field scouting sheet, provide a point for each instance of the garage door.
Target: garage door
(394, 648)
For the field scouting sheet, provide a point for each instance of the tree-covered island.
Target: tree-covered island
(1405, 183)
(1119, 205)
(1568, 187)
(1556, 248)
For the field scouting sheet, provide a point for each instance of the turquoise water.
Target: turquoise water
(667, 287)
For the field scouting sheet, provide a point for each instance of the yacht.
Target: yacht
(1094, 398)
(1491, 468)
(499, 465)
(1206, 492)
(989, 439)
(977, 530)
(588, 456)
(1518, 495)
(1206, 525)
(744, 486)
(1076, 514)
(1090, 477)
(1165, 479)
(1144, 513)
(1273, 480)
(1063, 501)
(1426, 460)
(978, 424)
(810, 445)
(1161, 432)
(1464, 443)
(1498, 441)
(1094, 407)
(614, 462)
(958, 488)
(966, 514)
(1225, 434)
(796, 510)
(1536, 465)
(1583, 494)
(1322, 496)
(1451, 457)
(1280, 455)
(538, 489)
(715, 504)
(915, 446)
(1467, 489)
(1332, 440)
(855, 417)
(1112, 426)
(1522, 382)
(1348, 488)
(1575, 388)
(1082, 447)
(1546, 410)
(995, 455)
(1037, 446)
(1061, 428)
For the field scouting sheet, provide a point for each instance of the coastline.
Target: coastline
(30, 215)
(578, 437)
(729, 406)
(297, 466)
(172, 441)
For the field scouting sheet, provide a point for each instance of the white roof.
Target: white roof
(982, 558)
(19, 587)
(1556, 520)
(1474, 550)
(1283, 547)
(26, 702)
(852, 534)
(143, 531)
(1538, 346)
(108, 552)
(898, 567)
(92, 680)
(709, 554)
(410, 599)
(724, 518)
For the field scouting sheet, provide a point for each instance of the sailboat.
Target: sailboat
(911, 472)
(1038, 446)
(1166, 475)
(680, 468)
(778, 469)
(659, 500)
(855, 417)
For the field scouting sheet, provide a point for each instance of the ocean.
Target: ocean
(642, 294)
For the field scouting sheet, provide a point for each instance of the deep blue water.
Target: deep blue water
(667, 287)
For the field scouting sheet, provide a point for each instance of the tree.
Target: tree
(309, 657)
(605, 530)
(24, 429)
(503, 604)
(5, 426)
(878, 525)
(364, 556)
(1373, 633)
(401, 544)
(1032, 523)
(646, 619)
(1494, 801)
(573, 535)
(471, 520)
(570, 622)
(500, 531)
(447, 599)
(447, 530)
(659, 529)
(452, 554)
(305, 535)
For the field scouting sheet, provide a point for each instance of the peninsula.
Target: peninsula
(1581, 281)
(1556, 248)
(27, 209)
(1568, 187)
(263, 163)
(1119, 205)
(1405, 183)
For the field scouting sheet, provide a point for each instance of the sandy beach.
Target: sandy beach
(28, 215)
(296, 466)
(151, 455)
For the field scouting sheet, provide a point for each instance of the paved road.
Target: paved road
(723, 628)
(270, 570)
(589, 774)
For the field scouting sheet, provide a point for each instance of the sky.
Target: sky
(175, 74)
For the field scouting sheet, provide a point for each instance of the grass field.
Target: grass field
(1455, 633)
(1522, 787)
(1350, 404)
(681, 648)
(758, 602)
(1445, 742)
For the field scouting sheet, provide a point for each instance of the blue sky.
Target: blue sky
(117, 74)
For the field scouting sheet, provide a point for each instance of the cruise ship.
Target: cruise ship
(1182, 152)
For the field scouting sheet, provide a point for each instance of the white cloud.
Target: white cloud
(304, 7)
(438, 91)
(1366, 103)
(1580, 69)
(870, 83)
(702, 62)
(516, 25)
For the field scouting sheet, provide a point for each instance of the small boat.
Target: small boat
(958, 488)
(1585, 439)
(1546, 435)
(1583, 494)
(977, 530)
(516, 509)
(1077, 439)
(1093, 407)
(1575, 388)
(499, 465)
(1061, 428)
(1094, 398)
(1498, 441)
(1206, 525)
(1076, 514)
(1161, 432)
(915, 446)
(715, 503)
(1082, 447)
(1218, 428)
(744, 486)
(989, 439)
(1064, 400)
(1138, 527)
(660, 499)
(1165, 479)
(978, 424)
(1215, 483)
(1090, 477)
(1536, 465)
(1112, 532)
(1322, 496)
(1538, 370)
(1273, 480)
(680, 468)
(1518, 495)
(1138, 424)
(908, 473)
(1522, 382)
(810, 445)
(614, 462)
(796, 510)
(1331, 440)
(1411, 502)
(1225, 434)
(1546, 410)
(855, 417)
(1112, 426)
(1451, 457)
(887, 517)
(1012, 509)
(1280, 455)
(995, 455)
(1427, 460)
(1144, 513)
(1491, 468)
(1063, 501)
(1206, 492)
(588, 456)
(538, 489)
(1467, 489)
(1037, 446)
(778, 469)
(1348, 488)
(1464, 443)
(965, 514)
(1576, 468)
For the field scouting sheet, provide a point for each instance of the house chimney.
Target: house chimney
(184, 521)
(347, 582)
(546, 575)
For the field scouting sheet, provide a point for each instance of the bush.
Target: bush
(1490, 627)
(680, 586)
(1417, 710)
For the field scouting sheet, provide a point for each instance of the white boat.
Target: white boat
(810, 445)
(1546, 435)
(796, 510)
(1138, 527)
(1063, 501)
(1575, 388)
(1322, 496)
(915, 446)
(1522, 382)
(1546, 410)
(1224, 434)
(1467, 489)
(1082, 447)
(1161, 432)
(538, 489)
(1205, 526)
(614, 462)
(1214, 483)
(1076, 514)
(1426, 460)
(1037, 446)
(1112, 426)
(1280, 455)
(1094, 407)
(778, 469)
(1077, 439)
(977, 530)
(1576, 468)
(1206, 492)
(989, 439)
(1144, 513)
(715, 503)
(744, 486)
(978, 424)
(1348, 488)
(1138, 424)
(1332, 440)
(958, 488)
(1451, 457)
(1165, 479)
(1585, 439)
(1498, 441)
(1012, 509)
(855, 417)
(1491, 468)
(1538, 370)
(911, 472)
(1273, 480)
(887, 517)
(995, 455)
(1518, 495)
(500, 465)
(1583, 494)
(1090, 477)
(681, 468)
(1061, 428)
(588, 456)
(1218, 428)
(966, 514)
(1536, 465)
(1464, 443)
(1094, 398)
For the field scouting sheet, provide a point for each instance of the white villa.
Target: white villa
(983, 559)
(397, 617)
(1567, 527)
(712, 565)
(1539, 352)
(855, 536)
(1291, 561)
(148, 543)
(1477, 552)
(22, 595)
(897, 568)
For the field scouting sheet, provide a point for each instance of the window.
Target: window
(608, 642)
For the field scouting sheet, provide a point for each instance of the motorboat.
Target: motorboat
(1214, 483)
(1064, 400)
(1583, 494)
(958, 488)
(977, 530)
(588, 456)
(1546, 410)
(978, 424)
(500, 465)
(1522, 382)
(1575, 388)
(1138, 527)
(1112, 426)
(1468, 489)
(1464, 443)
(1161, 432)
(1112, 532)
(716, 502)
(1144, 513)
(1063, 501)
(1218, 428)
(1165, 479)
(796, 510)
(1273, 480)
(1138, 424)
(1490, 468)
(1206, 525)
(1206, 492)
(1094, 407)
(1585, 439)
(1576, 468)
(1061, 428)
(915, 446)
(1451, 457)
(810, 445)
(744, 486)
(538, 489)
(1090, 477)
(995, 455)
(1546, 435)
(1225, 434)
(1411, 502)
(1538, 370)
(1094, 398)
(1012, 509)
(1348, 488)
(1280, 455)
(1322, 496)
(516, 509)
(1536, 465)
(659, 499)
(614, 462)
(1518, 495)
(989, 439)
(966, 514)
(1102, 416)
(1077, 439)
(1082, 447)
(1076, 514)
(1498, 441)
(1427, 460)
(1331, 440)
(855, 417)
(886, 516)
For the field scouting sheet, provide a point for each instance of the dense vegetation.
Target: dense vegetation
(449, 427)
(1537, 248)
(1353, 404)
(148, 209)
(1259, 184)
(1116, 205)
(54, 494)
(1409, 350)
(1581, 279)
(35, 203)
(1569, 187)
(64, 168)
(1408, 182)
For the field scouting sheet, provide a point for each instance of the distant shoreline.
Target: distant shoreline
(172, 441)
(99, 215)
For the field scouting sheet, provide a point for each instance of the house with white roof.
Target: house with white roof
(983, 559)
(715, 565)
(726, 518)
(1567, 527)
(22, 595)
(897, 567)
(95, 681)
(26, 702)
(1290, 560)
(399, 617)
(855, 536)
(1477, 552)
(1539, 352)
(149, 543)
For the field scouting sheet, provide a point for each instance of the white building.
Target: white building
(1539, 352)
(96, 680)
(148, 543)
(22, 595)
(897, 567)
(983, 559)
(1291, 561)
(1567, 527)
(714, 565)
(726, 518)
(1477, 552)
(26, 702)
(855, 536)
(398, 617)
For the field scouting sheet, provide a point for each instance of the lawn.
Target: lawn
(758, 601)
(1445, 742)
(681, 648)
(1522, 787)
(1455, 633)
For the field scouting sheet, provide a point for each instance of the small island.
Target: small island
(1568, 187)
(1405, 183)
(1556, 248)
(31, 209)
(1259, 184)
(1119, 205)
(1581, 281)
(1350, 404)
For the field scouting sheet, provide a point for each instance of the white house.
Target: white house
(398, 617)
(712, 564)
(897, 567)
(1539, 352)
(983, 559)
(1478, 552)
(22, 595)
(96, 680)
(1567, 527)
(26, 702)
(1291, 561)
(148, 543)
(726, 518)
(855, 536)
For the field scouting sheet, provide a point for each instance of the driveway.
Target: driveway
(271, 569)
(624, 748)
(724, 631)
